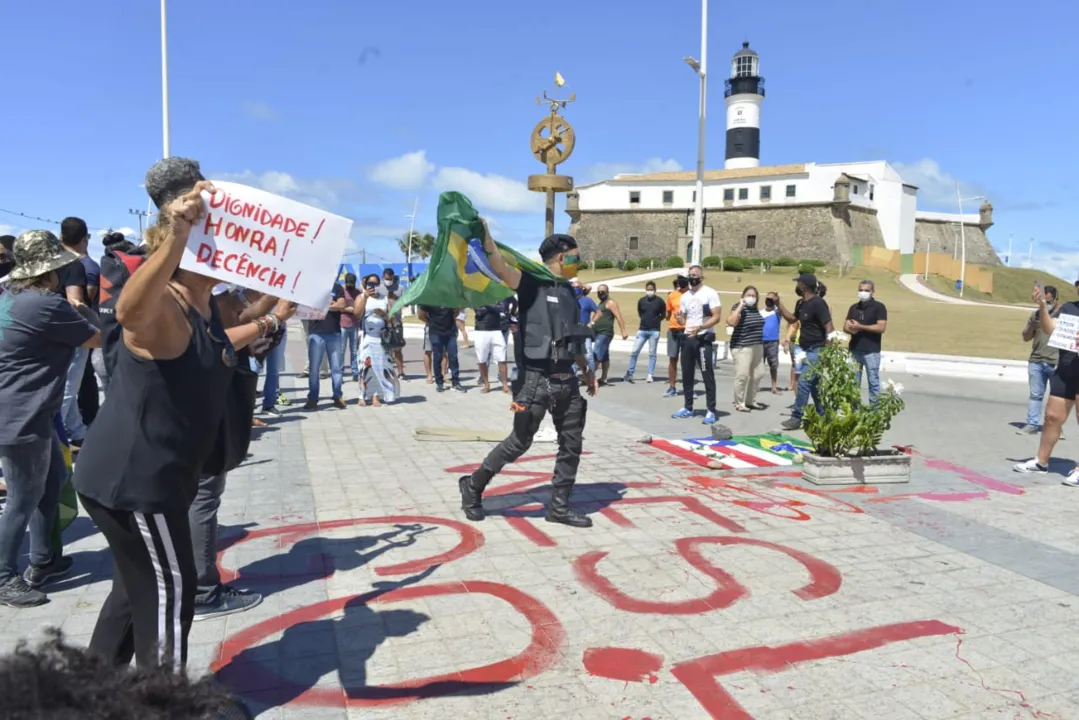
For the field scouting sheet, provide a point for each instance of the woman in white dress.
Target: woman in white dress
(379, 382)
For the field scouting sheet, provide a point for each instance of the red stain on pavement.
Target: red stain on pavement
(935, 496)
(625, 664)
(471, 540)
(700, 676)
(977, 478)
(548, 638)
(824, 578)
(1000, 691)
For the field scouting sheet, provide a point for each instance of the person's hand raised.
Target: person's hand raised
(188, 209)
(284, 310)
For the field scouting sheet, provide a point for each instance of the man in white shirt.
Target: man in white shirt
(699, 309)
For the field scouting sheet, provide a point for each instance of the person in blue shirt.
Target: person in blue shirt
(587, 306)
(771, 340)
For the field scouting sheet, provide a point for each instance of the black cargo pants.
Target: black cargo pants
(558, 393)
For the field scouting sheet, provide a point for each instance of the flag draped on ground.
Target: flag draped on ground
(458, 275)
(740, 452)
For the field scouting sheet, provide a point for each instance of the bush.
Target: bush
(712, 261)
(629, 265)
(806, 268)
(736, 259)
(735, 264)
(785, 262)
(604, 265)
(814, 263)
(848, 426)
(674, 261)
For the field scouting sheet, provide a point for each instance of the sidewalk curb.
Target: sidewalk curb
(950, 366)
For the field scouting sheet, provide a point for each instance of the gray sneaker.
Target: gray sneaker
(228, 601)
(17, 594)
(1028, 430)
(791, 424)
(39, 575)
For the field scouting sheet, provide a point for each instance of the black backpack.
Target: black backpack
(117, 265)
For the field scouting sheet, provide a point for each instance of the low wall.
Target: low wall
(977, 277)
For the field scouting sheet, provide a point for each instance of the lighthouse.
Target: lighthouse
(744, 94)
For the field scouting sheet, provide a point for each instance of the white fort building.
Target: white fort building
(819, 211)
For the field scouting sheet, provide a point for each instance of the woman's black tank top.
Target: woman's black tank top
(159, 423)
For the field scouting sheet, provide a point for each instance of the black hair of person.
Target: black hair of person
(73, 231)
(57, 681)
(556, 244)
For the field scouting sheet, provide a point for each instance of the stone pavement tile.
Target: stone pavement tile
(814, 711)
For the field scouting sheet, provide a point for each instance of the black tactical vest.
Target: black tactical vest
(552, 329)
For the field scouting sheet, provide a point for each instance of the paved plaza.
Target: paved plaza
(697, 594)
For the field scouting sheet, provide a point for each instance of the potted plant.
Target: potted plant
(847, 436)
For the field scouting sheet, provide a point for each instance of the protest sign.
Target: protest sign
(267, 243)
(1064, 335)
(305, 313)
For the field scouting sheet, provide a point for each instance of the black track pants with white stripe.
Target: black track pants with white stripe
(148, 613)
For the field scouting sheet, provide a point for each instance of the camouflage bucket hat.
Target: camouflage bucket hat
(37, 253)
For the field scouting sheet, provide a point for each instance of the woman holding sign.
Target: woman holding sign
(1063, 330)
(139, 469)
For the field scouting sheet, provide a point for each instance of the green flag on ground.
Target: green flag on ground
(458, 274)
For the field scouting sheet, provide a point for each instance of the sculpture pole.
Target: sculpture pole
(552, 143)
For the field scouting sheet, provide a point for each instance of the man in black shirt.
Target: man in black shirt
(324, 340)
(73, 285)
(1063, 391)
(815, 326)
(652, 310)
(442, 334)
(550, 340)
(866, 321)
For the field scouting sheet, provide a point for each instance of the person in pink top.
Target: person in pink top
(350, 328)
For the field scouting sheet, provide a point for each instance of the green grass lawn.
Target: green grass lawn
(1011, 286)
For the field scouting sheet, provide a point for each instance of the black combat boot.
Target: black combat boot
(559, 510)
(471, 499)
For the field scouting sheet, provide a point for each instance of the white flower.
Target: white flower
(838, 336)
(895, 387)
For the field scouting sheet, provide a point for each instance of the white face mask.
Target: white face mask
(650, 293)
(864, 295)
(749, 301)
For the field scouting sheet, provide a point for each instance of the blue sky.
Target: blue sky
(361, 107)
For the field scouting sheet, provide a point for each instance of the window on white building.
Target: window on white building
(790, 190)
(694, 196)
(634, 242)
(634, 197)
(751, 242)
(870, 192)
(743, 193)
(766, 192)
(854, 189)
(728, 194)
(668, 197)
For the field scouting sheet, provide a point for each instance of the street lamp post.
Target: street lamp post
(164, 79)
(701, 68)
(411, 227)
(963, 238)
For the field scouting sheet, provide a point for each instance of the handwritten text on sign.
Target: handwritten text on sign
(267, 243)
(1064, 335)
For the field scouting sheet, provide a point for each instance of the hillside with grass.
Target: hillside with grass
(1011, 286)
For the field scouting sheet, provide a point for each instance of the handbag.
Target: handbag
(234, 435)
(392, 337)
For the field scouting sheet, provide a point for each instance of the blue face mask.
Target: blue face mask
(578, 292)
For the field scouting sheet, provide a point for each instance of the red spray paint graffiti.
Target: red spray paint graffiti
(548, 638)
(700, 675)
(824, 578)
(625, 664)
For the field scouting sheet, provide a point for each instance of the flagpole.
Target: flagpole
(164, 80)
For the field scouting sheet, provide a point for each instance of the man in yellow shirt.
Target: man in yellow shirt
(675, 331)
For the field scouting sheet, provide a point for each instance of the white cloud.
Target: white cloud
(320, 193)
(406, 172)
(490, 192)
(259, 111)
(936, 188)
(9, 230)
(126, 231)
(1063, 265)
(606, 171)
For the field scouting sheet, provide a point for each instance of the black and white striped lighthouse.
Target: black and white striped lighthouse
(744, 93)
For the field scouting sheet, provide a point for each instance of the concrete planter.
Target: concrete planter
(884, 468)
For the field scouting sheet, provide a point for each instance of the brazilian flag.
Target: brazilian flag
(458, 275)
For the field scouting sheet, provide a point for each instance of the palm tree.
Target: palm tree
(422, 245)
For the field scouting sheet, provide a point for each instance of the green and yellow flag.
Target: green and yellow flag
(458, 274)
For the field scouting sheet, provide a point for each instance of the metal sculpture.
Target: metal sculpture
(552, 142)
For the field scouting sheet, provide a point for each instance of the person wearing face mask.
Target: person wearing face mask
(770, 337)
(866, 322)
(814, 320)
(603, 324)
(350, 327)
(588, 308)
(1041, 365)
(550, 340)
(747, 348)
(651, 310)
(675, 330)
(699, 308)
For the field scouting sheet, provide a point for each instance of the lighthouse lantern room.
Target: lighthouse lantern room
(744, 94)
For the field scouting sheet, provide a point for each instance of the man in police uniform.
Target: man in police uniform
(549, 341)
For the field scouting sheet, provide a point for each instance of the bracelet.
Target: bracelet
(260, 323)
